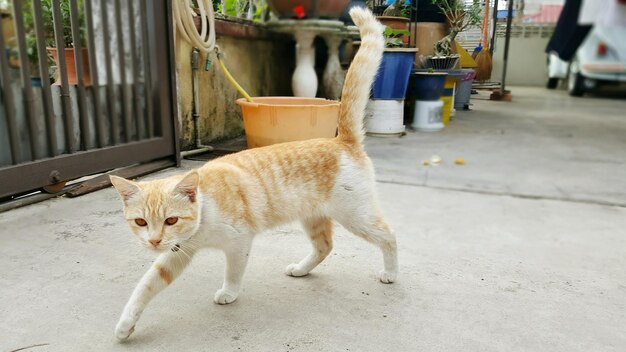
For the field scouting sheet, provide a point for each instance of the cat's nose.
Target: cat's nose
(155, 242)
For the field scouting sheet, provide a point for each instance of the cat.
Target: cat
(224, 203)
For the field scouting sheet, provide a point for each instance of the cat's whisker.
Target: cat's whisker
(184, 252)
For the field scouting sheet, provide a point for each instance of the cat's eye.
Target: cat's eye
(171, 220)
(140, 222)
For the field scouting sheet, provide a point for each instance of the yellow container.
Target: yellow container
(272, 120)
(447, 97)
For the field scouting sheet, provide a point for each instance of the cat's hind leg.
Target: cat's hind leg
(320, 232)
(371, 226)
(236, 254)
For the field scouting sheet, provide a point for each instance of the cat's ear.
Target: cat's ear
(124, 187)
(188, 186)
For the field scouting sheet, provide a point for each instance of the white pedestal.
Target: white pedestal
(304, 80)
(333, 73)
(384, 117)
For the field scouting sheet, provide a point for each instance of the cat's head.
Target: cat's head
(162, 213)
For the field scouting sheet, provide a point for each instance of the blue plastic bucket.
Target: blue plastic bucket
(426, 86)
(392, 78)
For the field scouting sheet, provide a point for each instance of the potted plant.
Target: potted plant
(426, 88)
(68, 40)
(459, 19)
(385, 112)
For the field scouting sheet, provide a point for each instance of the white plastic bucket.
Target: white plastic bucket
(384, 117)
(428, 116)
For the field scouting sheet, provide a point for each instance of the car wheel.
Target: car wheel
(575, 84)
(552, 83)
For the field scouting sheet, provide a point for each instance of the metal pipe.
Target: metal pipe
(27, 91)
(9, 103)
(95, 87)
(507, 39)
(145, 48)
(121, 52)
(48, 108)
(78, 59)
(66, 103)
(494, 27)
(195, 66)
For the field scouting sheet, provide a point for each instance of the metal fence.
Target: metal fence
(106, 101)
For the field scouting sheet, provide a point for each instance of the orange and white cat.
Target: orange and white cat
(224, 203)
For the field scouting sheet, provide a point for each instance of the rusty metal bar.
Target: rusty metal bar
(9, 103)
(35, 174)
(147, 72)
(27, 90)
(164, 77)
(109, 70)
(46, 92)
(133, 52)
(122, 67)
(95, 88)
(68, 120)
(78, 59)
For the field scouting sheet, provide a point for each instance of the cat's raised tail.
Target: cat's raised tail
(356, 89)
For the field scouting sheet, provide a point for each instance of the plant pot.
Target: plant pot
(426, 86)
(70, 65)
(396, 23)
(392, 78)
(426, 34)
(311, 8)
(463, 91)
(272, 120)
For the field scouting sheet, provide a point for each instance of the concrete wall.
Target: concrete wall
(527, 65)
(262, 63)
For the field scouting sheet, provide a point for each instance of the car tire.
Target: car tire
(552, 83)
(575, 85)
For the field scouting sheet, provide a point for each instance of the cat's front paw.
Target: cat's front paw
(295, 270)
(124, 328)
(223, 296)
(387, 277)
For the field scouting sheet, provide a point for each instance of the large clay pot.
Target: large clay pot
(396, 23)
(311, 8)
(70, 64)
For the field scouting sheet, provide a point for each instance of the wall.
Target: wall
(527, 65)
(261, 62)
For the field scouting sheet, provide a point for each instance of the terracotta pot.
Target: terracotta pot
(396, 23)
(312, 8)
(71, 66)
(426, 34)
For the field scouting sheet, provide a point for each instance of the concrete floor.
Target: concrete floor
(521, 249)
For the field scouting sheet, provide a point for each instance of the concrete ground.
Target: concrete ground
(523, 248)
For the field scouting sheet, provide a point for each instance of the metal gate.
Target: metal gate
(119, 109)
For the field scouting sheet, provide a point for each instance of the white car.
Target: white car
(599, 60)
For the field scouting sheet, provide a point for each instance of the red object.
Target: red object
(602, 49)
(623, 2)
(299, 11)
